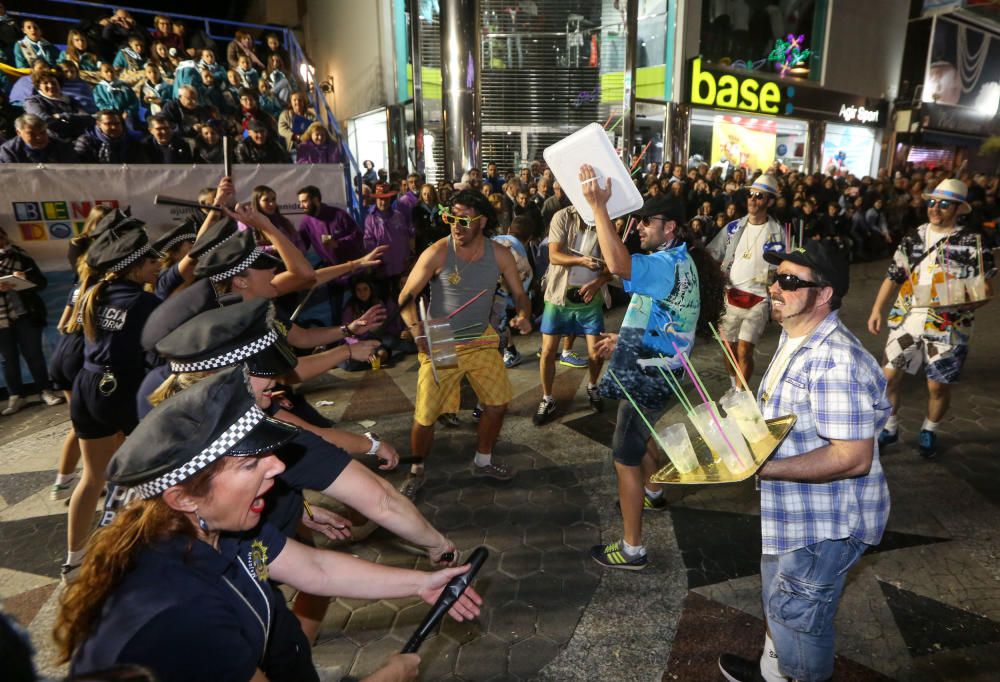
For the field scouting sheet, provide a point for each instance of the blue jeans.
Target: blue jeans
(801, 591)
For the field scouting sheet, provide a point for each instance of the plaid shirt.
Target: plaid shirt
(837, 391)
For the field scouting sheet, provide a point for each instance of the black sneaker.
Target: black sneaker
(887, 437)
(649, 504)
(500, 472)
(613, 556)
(596, 401)
(736, 669)
(477, 414)
(546, 409)
(449, 420)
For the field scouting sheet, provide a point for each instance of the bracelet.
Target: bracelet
(375, 443)
(345, 329)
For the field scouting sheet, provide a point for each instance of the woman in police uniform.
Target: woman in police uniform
(111, 312)
(179, 582)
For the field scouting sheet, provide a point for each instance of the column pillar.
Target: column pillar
(413, 7)
(460, 71)
(628, 94)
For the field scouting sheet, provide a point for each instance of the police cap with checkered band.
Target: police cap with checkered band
(215, 418)
(116, 249)
(244, 332)
(233, 256)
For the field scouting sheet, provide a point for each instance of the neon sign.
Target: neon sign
(728, 91)
(789, 54)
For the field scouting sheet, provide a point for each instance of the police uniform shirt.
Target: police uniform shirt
(310, 462)
(191, 613)
(67, 357)
(154, 378)
(123, 312)
(168, 281)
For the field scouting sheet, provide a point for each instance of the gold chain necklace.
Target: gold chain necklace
(747, 254)
(455, 276)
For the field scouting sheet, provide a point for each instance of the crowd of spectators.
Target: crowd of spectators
(120, 92)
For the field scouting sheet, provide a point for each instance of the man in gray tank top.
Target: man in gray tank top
(459, 267)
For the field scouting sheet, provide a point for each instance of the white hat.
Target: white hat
(765, 183)
(951, 190)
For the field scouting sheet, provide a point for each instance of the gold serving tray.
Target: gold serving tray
(712, 470)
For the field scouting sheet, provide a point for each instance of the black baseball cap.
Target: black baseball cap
(217, 417)
(666, 206)
(823, 258)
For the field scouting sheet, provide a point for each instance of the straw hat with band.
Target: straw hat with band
(245, 332)
(764, 183)
(951, 190)
(234, 256)
(215, 418)
(116, 249)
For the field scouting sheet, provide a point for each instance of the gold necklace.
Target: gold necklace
(749, 250)
(455, 276)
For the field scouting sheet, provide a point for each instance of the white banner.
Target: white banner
(42, 207)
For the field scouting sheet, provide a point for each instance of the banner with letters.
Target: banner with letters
(42, 207)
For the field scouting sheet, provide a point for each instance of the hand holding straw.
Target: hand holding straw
(728, 352)
(628, 229)
(704, 396)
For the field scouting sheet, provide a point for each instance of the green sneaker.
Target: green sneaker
(613, 556)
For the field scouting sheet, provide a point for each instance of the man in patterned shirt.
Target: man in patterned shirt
(824, 498)
(931, 267)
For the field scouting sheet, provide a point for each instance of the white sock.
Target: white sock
(417, 469)
(549, 398)
(63, 479)
(929, 425)
(484, 460)
(565, 352)
(769, 662)
(892, 424)
(629, 550)
(590, 385)
(654, 494)
(75, 558)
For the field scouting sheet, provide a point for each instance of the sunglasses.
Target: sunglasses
(462, 222)
(759, 196)
(788, 282)
(645, 221)
(943, 204)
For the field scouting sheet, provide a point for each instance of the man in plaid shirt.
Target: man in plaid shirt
(824, 498)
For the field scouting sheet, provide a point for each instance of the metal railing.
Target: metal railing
(289, 41)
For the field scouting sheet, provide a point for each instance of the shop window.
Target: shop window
(752, 143)
(771, 37)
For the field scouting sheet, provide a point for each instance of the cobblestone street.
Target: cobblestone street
(924, 605)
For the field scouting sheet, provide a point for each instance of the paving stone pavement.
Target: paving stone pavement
(923, 606)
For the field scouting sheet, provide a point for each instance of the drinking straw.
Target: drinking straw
(465, 305)
(704, 396)
(801, 228)
(642, 154)
(610, 116)
(979, 253)
(628, 229)
(468, 326)
(944, 274)
(728, 352)
(638, 411)
(617, 123)
(675, 387)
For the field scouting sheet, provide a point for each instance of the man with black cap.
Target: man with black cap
(824, 499)
(741, 247)
(458, 269)
(259, 147)
(660, 323)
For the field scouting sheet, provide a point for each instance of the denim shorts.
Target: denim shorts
(801, 592)
(629, 442)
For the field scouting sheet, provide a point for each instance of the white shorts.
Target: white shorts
(744, 324)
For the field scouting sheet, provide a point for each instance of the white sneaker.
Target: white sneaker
(52, 398)
(14, 405)
(64, 490)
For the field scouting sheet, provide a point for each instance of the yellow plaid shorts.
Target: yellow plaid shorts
(480, 362)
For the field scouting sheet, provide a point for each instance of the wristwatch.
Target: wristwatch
(376, 443)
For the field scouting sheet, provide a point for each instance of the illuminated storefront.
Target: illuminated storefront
(751, 119)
